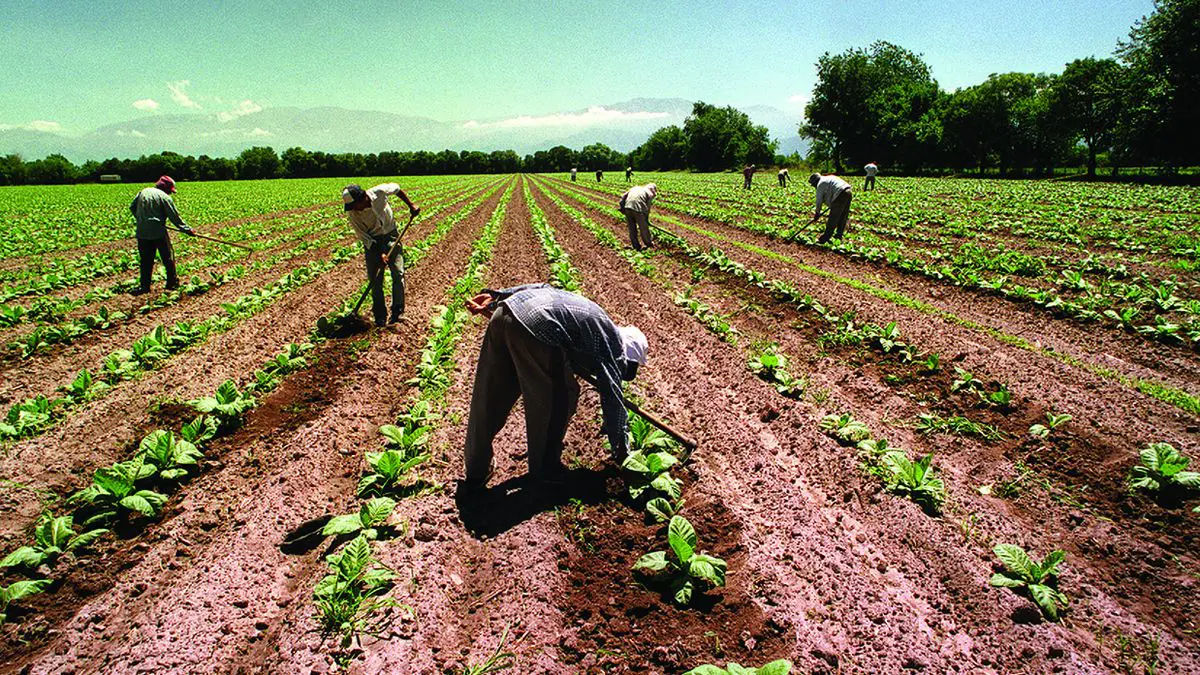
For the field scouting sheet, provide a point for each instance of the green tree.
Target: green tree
(599, 157)
(1162, 105)
(665, 149)
(1087, 97)
(53, 169)
(12, 170)
(873, 104)
(258, 162)
(724, 138)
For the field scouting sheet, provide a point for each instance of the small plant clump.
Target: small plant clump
(780, 667)
(1162, 470)
(687, 568)
(1039, 580)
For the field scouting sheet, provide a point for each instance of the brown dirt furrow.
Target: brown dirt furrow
(100, 433)
(862, 580)
(1130, 355)
(230, 599)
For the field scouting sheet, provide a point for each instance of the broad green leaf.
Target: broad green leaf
(660, 509)
(652, 562)
(26, 556)
(1016, 560)
(780, 667)
(1188, 479)
(683, 592)
(682, 538)
(667, 485)
(707, 669)
(709, 568)
(636, 462)
(22, 589)
(346, 524)
(1046, 598)
(86, 539)
(1002, 580)
(376, 510)
(355, 558)
(1050, 563)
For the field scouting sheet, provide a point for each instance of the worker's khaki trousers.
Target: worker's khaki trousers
(512, 363)
(839, 215)
(639, 223)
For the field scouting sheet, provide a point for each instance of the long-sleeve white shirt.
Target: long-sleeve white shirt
(637, 199)
(830, 188)
(871, 169)
(376, 220)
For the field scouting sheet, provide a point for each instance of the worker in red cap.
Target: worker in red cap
(153, 207)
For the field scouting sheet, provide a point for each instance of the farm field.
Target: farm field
(885, 426)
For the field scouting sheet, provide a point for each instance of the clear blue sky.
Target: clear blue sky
(80, 64)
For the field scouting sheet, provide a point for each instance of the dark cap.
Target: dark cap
(352, 193)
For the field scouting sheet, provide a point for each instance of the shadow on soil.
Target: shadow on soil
(487, 513)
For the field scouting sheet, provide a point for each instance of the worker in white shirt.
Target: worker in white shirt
(371, 218)
(871, 170)
(573, 175)
(783, 178)
(835, 192)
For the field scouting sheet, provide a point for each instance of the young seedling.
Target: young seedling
(17, 591)
(52, 537)
(845, 428)
(964, 380)
(650, 472)
(932, 363)
(780, 667)
(372, 516)
(1162, 470)
(172, 457)
(772, 367)
(347, 598)
(1039, 580)
(914, 480)
(647, 438)
(227, 405)
(687, 568)
(114, 492)
(386, 469)
(660, 509)
(1053, 422)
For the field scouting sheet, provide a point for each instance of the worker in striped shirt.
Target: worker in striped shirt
(538, 337)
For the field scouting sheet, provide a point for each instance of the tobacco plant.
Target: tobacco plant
(52, 537)
(771, 366)
(347, 598)
(650, 471)
(1053, 422)
(1162, 470)
(683, 568)
(114, 492)
(372, 516)
(1039, 580)
(845, 428)
(914, 480)
(387, 468)
(172, 457)
(19, 590)
(227, 405)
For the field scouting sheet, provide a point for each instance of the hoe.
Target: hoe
(352, 321)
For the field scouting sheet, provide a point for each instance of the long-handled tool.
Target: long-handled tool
(352, 315)
(193, 233)
(686, 441)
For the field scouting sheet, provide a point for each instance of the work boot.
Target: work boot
(396, 318)
(139, 291)
(173, 286)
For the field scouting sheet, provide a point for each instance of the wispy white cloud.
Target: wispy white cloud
(241, 109)
(180, 96)
(593, 116)
(132, 132)
(258, 133)
(36, 125)
(146, 104)
(798, 100)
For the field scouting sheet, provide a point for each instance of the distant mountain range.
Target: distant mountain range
(621, 126)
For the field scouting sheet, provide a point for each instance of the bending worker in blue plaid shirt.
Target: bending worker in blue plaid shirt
(537, 339)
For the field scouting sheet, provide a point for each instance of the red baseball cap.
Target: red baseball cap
(166, 184)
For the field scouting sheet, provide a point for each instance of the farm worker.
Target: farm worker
(748, 174)
(153, 207)
(572, 174)
(628, 173)
(371, 217)
(599, 175)
(835, 192)
(871, 169)
(783, 177)
(635, 204)
(537, 338)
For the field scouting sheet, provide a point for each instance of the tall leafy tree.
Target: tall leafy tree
(665, 149)
(724, 138)
(258, 162)
(1087, 98)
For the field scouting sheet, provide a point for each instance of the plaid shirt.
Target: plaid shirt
(590, 338)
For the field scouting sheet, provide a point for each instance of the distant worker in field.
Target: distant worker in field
(371, 218)
(152, 208)
(599, 175)
(748, 175)
(635, 204)
(628, 174)
(783, 178)
(871, 170)
(572, 175)
(538, 338)
(835, 192)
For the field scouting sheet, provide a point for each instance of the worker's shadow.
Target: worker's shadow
(487, 513)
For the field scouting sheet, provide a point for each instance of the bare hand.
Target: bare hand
(384, 258)
(481, 304)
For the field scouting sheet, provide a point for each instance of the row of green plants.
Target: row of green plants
(350, 598)
(681, 570)
(562, 273)
(134, 491)
(35, 415)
